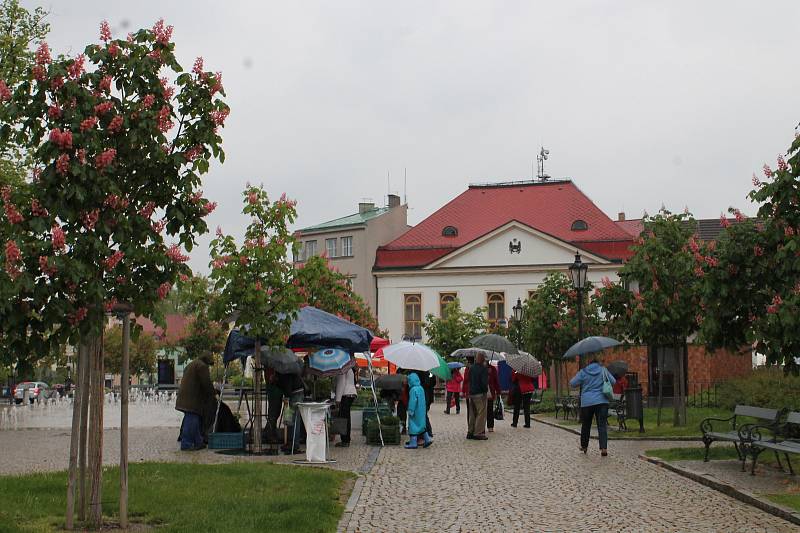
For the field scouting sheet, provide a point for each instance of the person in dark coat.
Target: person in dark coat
(196, 400)
(494, 392)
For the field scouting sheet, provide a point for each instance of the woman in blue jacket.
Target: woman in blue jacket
(594, 404)
(417, 413)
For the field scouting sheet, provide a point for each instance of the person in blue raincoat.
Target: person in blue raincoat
(417, 411)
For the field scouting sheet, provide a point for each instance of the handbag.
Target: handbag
(608, 391)
(498, 408)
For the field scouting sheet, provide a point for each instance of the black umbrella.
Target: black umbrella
(467, 353)
(590, 345)
(618, 369)
(282, 360)
(390, 382)
(494, 343)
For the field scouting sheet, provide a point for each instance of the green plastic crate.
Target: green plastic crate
(391, 433)
(369, 414)
(226, 441)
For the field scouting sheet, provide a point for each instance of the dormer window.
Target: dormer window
(579, 225)
(450, 231)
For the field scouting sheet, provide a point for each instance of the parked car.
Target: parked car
(36, 390)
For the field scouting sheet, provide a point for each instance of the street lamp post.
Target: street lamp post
(577, 272)
(518, 313)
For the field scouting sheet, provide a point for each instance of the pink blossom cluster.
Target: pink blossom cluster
(767, 171)
(711, 261)
(155, 54)
(196, 197)
(198, 66)
(174, 253)
(218, 117)
(217, 83)
(115, 201)
(62, 164)
(220, 262)
(43, 54)
(90, 219)
(58, 238)
(758, 251)
(88, 123)
(164, 119)
(557, 325)
(252, 198)
(286, 201)
(723, 221)
(208, 208)
(111, 261)
(103, 107)
(739, 215)
(192, 153)
(78, 316)
(788, 231)
(12, 213)
(183, 277)
(776, 303)
(105, 159)
(782, 165)
(77, 67)
(756, 181)
(163, 290)
(82, 156)
(45, 266)
(13, 258)
(110, 305)
(105, 31)
(54, 111)
(62, 139)
(56, 83)
(159, 226)
(147, 210)
(115, 125)
(147, 101)
(5, 92)
(37, 210)
(105, 84)
(163, 33)
(113, 49)
(167, 88)
(698, 271)
(39, 73)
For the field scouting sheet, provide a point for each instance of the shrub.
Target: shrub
(766, 387)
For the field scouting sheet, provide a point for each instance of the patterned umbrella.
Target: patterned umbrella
(471, 353)
(330, 362)
(525, 363)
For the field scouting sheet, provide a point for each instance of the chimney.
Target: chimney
(363, 207)
(394, 200)
(621, 216)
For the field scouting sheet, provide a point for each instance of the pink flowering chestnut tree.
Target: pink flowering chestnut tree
(256, 281)
(120, 136)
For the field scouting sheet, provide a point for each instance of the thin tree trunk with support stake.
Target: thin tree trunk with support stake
(660, 358)
(123, 429)
(74, 441)
(95, 518)
(257, 447)
(84, 389)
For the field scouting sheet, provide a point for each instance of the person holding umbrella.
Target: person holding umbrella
(592, 379)
(417, 414)
(453, 388)
(345, 396)
(523, 391)
(494, 392)
(478, 389)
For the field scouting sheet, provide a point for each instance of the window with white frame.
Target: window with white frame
(311, 249)
(347, 246)
(330, 247)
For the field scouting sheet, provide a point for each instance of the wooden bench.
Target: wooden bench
(780, 441)
(737, 434)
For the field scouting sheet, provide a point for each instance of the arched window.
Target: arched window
(445, 299)
(450, 231)
(496, 302)
(413, 315)
(579, 225)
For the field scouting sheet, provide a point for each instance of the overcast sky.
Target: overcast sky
(641, 103)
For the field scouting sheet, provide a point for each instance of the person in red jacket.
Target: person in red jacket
(453, 387)
(620, 386)
(522, 387)
(494, 392)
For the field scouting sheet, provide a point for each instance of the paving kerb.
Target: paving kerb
(726, 488)
(352, 501)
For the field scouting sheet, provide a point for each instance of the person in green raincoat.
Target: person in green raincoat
(417, 413)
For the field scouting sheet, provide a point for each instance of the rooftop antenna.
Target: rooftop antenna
(405, 185)
(388, 187)
(541, 158)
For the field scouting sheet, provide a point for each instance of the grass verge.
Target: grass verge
(189, 497)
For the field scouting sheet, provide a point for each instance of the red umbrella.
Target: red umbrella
(378, 343)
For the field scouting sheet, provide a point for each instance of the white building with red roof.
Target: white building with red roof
(490, 246)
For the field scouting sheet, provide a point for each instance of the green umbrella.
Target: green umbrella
(442, 371)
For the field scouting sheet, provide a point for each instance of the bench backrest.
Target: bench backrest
(793, 417)
(756, 412)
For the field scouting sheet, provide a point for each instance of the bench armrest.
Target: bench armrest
(706, 427)
(758, 432)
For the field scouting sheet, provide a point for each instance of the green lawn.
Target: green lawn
(189, 497)
(788, 500)
(694, 415)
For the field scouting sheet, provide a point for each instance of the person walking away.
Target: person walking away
(620, 386)
(428, 382)
(345, 396)
(195, 395)
(494, 392)
(523, 391)
(594, 404)
(417, 412)
(453, 388)
(402, 408)
(465, 387)
(478, 388)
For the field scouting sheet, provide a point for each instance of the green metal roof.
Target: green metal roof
(349, 220)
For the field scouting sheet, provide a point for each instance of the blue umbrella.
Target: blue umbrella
(455, 365)
(330, 362)
(590, 345)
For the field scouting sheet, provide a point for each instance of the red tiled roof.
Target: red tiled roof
(633, 227)
(549, 207)
(176, 327)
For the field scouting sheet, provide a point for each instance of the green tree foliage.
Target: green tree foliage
(142, 351)
(455, 330)
(326, 288)
(256, 282)
(203, 337)
(119, 155)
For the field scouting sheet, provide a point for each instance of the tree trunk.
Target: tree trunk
(74, 439)
(95, 518)
(682, 385)
(676, 390)
(123, 428)
(84, 388)
(660, 357)
(257, 448)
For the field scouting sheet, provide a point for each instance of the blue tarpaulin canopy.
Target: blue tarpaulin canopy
(312, 328)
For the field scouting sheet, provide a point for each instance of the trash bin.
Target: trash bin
(633, 405)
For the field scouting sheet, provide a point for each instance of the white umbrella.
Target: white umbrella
(411, 356)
